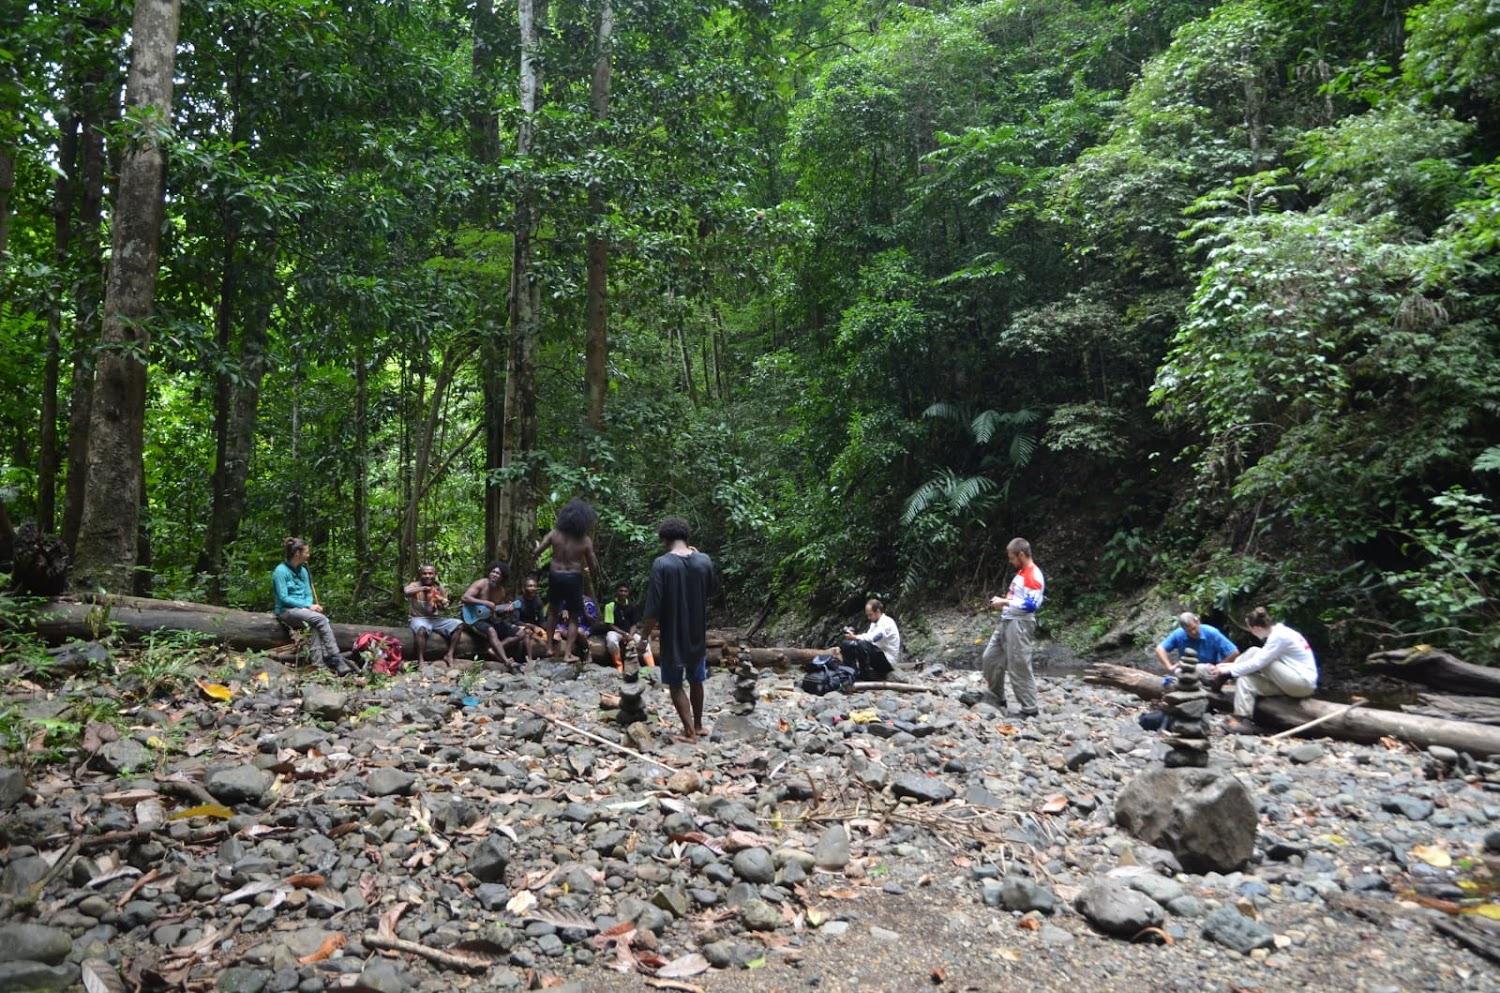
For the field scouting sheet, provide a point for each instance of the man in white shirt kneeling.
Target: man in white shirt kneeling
(876, 651)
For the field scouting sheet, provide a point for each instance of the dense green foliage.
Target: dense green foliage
(1192, 293)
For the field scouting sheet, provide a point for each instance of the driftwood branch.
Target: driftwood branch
(435, 955)
(613, 746)
(894, 687)
(1289, 732)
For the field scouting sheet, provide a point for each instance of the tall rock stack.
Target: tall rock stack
(1187, 706)
(745, 678)
(632, 702)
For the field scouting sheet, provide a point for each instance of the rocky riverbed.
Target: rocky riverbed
(443, 831)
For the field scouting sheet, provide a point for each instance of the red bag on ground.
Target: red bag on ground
(382, 651)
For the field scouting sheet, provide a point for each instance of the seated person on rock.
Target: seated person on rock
(1208, 641)
(486, 608)
(876, 651)
(297, 606)
(426, 600)
(1283, 666)
(621, 619)
(531, 620)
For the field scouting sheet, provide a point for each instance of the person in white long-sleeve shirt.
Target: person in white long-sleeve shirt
(1283, 666)
(877, 650)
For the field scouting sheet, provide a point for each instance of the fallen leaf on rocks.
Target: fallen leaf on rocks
(1434, 855)
(815, 917)
(1006, 729)
(521, 902)
(1153, 932)
(1433, 903)
(479, 951)
(128, 796)
(939, 975)
(1029, 924)
(844, 894)
(1054, 804)
(307, 881)
(330, 944)
(251, 890)
(1010, 955)
(736, 841)
(215, 810)
(1489, 911)
(674, 984)
(563, 919)
(683, 967)
(216, 691)
(388, 920)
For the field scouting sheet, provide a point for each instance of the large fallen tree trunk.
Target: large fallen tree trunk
(1359, 724)
(1456, 707)
(138, 617)
(1437, 669)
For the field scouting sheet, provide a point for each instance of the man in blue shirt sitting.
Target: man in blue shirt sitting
(1205, 639)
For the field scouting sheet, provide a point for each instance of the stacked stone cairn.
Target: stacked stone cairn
(745, 678)
(632, 703)
(1187, 706)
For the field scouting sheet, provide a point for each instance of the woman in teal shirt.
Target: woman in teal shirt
(298, 608)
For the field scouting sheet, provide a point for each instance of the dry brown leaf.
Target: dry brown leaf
(388, 920)
(307, 881)
(330, 944)
(939, 975)
(1029, 924)
(1153, 932)
(1054, 804)
(675, 984)
(736, 841)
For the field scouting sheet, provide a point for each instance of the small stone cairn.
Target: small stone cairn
(1187, 706)
(632, 704)
(745, 679)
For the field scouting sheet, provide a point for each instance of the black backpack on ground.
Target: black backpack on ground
(826, 674)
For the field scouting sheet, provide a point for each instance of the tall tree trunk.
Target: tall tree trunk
(596, 298)
(241, 414)
(210, 559)
(7, 185)
(426, 440)
(484, 143)
(361, 469)
(107, 539)
(64, 193)
(517, 499)
(88, 296)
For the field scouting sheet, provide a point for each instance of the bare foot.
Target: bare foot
(701, 731)
(685, 739)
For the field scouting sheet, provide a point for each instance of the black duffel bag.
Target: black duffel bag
(826, 674)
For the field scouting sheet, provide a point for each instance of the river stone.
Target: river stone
(926, 789)
(389, 781)
(1205, 817)
(1306, 754)
(241, 979)
(1023, 894)
(833, 849)
(759, 915)
(34, 943)
(323, 702)
(12, 786)
(35, 977)
(124, 755)
(383, 977)
(1080, 755)
(239, 784)
(489, 860)
(1116, 909)
(1407, 806)
(1233, 929)
(754, 865)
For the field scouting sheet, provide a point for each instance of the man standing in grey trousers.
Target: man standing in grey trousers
(1010, 647)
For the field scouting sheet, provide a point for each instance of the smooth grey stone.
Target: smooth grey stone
(1022, 894)
(1116, 909)
(34, 943)
(754, 865)
(239, 784)
(925, 789)
(241, 979)
(124, 755)
(758, 915)
(35, 977)
(324, 702)
(1234, 930)
(1205, 817)
(390, 781)
(833, 849)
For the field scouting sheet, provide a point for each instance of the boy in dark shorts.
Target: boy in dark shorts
(572, 555)
(677, 595)
(426, 602)
(531, 618)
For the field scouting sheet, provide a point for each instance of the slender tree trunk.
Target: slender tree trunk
(426, 440)
(141, 583)
(687, 366)
(7, 185)
(241, 415)
(517, 500)
(107, 550)
(361, 469)
(88, 297)
(294, 512)
(484, 139)
(64, 193)
(596, 298)
(210, 560)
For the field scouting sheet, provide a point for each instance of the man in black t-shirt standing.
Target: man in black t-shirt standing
(677, 595)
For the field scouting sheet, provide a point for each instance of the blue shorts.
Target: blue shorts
(445, 626)
(672, 673)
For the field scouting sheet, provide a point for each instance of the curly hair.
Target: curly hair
(673, 529)
(577, 518)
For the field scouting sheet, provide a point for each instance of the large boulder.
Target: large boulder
(1206, 817)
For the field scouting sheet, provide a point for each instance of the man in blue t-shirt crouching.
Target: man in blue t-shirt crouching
(1205, 639)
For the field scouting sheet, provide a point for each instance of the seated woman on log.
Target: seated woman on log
(297, 606)
(1283, 666)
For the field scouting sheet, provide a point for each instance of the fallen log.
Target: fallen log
(1363, 724)
(1437, 669)
(1454, 707)
(90, 617)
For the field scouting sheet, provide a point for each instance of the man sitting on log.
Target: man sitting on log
(426, 600)
(1284, 666)
(1209, 642)
(531, 619)
(484, 604)
(621, 618)
(875, 652)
